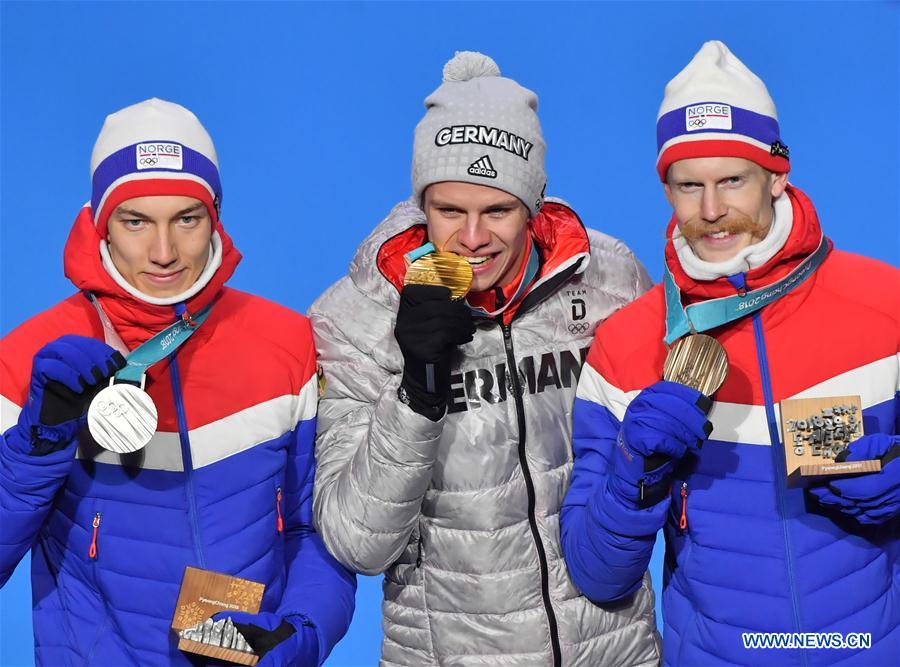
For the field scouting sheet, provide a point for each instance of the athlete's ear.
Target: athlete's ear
(779, 184)
(668, 192)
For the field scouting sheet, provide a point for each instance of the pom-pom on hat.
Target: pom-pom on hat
(482, 128)
(153, 148)
(717, 107)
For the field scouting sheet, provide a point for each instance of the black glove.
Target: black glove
(65, 376)
(278, 641)
(429, 327)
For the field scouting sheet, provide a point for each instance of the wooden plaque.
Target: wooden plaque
(204, 593)
(814, 431)
(237, 657)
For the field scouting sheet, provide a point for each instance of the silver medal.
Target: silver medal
(122, 418)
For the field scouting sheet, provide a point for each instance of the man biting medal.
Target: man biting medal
(158, 419)
(444, 444)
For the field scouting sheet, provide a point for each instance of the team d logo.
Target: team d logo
(707, 116)
(482, 167)
(159, 155)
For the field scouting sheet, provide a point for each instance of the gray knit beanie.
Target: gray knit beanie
(482, 128)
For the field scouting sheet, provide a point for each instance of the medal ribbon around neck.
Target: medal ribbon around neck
(162, 344)
(531, 270)
(122, 417)
(714, 313)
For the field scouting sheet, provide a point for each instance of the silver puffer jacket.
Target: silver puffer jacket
(462, 515)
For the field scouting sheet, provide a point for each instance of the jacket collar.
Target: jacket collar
(804, 238)
(557, 232)
(135, 320)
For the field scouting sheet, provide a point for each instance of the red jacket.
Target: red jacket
(225, 484)
(754, 555)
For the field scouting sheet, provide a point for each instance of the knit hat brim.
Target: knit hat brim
(687, 150)
(150, 187)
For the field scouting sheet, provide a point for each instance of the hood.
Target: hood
(134, 319)
(557, 232)
(806, 233)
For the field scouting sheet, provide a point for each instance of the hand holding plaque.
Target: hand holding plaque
(203, 594)
(277, 640)
(872, 498)
(816, 433)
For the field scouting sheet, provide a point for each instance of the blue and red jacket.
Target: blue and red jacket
(225, 484)
(743, 552)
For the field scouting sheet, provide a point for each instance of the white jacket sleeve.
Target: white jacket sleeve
(374, 454)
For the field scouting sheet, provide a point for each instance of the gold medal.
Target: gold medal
(446, 269)
(697, 361)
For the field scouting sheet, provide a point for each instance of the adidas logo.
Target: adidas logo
(482, 167)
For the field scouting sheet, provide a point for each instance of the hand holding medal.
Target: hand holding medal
(428, 266)
(65, 375)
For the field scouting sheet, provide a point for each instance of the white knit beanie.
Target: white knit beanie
(480, 128)
(717, 107)
(153, 148)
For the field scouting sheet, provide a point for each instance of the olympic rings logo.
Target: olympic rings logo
(578, 327)
(112, 409)
(697, 122)
(148, 161)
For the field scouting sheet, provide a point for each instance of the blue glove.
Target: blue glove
(289, 641)
(65, 375)
(662, 423)
(872, 498)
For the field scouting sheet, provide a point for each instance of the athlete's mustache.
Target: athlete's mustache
(734, 223)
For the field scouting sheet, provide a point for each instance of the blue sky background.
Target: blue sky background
(312, 108)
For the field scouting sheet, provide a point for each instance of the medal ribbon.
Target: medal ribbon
(531, 270)
(161, 345)
(716, 312)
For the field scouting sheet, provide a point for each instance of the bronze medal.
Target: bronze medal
(446, 269)
(697, 361)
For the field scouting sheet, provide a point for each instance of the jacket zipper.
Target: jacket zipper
(779, 468)
(92, 552)
(186, 459)
(513, 371)
(279, 524)
(682, 522)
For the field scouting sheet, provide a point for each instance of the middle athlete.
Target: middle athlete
(444, 447)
